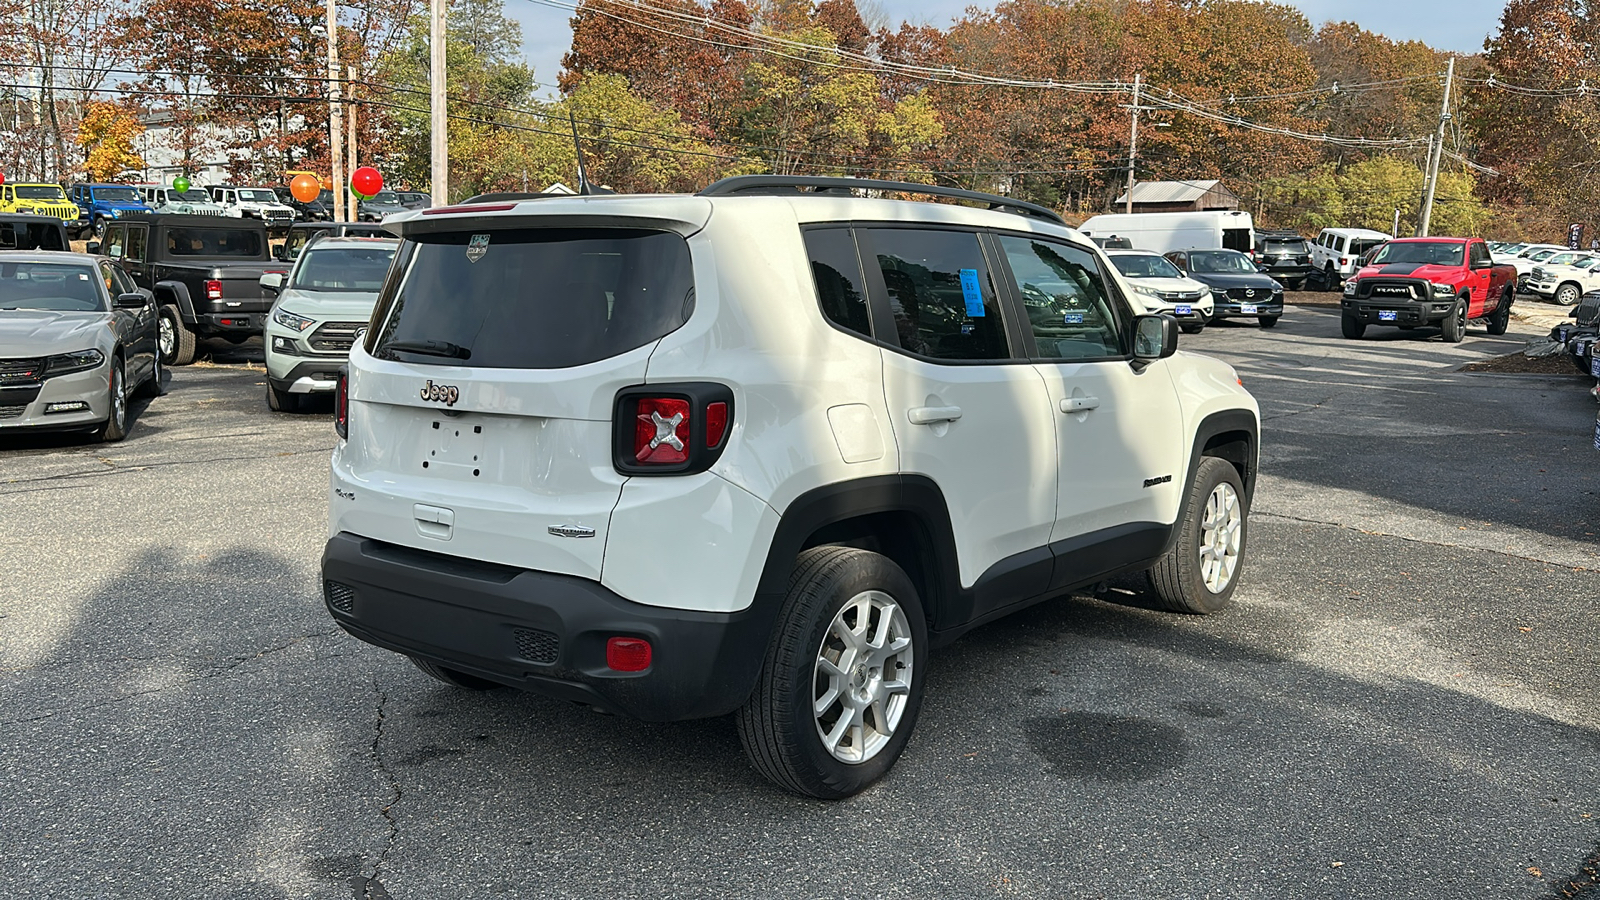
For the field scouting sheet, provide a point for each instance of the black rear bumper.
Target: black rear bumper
(543, 632)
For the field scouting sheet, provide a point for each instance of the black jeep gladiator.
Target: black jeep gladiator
(205, 273)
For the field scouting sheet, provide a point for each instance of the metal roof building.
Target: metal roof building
(1179, 196)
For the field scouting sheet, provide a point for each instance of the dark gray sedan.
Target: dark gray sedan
(77, 337)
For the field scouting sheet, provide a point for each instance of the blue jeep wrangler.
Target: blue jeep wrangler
(98, 204)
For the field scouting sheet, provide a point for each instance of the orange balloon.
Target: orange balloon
(305, 188)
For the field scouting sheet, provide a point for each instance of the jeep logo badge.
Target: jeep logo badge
(447, 394)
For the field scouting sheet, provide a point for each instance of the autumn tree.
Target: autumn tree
(106, 134)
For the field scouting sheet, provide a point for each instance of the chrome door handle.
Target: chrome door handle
(1079, 404)
(931, 415)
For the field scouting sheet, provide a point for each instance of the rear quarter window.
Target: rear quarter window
(536, 298)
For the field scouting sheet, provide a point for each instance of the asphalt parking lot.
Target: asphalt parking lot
(1400, 704)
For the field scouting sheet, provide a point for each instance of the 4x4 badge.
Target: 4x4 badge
(477, 246)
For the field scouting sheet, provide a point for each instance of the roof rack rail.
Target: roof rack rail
(818, 184)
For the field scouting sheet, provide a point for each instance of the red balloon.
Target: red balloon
(2, 178)
(366, 181)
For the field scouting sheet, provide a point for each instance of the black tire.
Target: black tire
(1352, 327)
(1330, 281)
(115, 427)
(155, 387)
(780, 732)
(1298, 284)
(1180, 577)
(282, 401)
(1192, 329)
(1268, 321)
(1455, 324)
(1568, 294)
(175, 341)
(454, 678)
(1500, 319)
(99, 227)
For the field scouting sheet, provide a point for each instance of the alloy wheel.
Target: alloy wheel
(1220, 531)
(119, 397)
(862, 677)
(166, 338)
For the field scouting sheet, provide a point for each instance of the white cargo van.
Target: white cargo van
(1165, 232)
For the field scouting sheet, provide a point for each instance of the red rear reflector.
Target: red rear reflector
(213, 290)
(661, 431)
(716, 424)
(624, 654)
(469, 207)
(341, 406)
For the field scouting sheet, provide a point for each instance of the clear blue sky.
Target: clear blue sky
(1459, 25)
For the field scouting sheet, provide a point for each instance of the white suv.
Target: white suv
(321, 309)
(760, 450)
(1336, 253)
(1159, 287)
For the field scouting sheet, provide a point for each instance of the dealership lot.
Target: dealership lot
(1400, 704)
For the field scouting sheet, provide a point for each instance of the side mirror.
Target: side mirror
(279, 254)
(132, 301)
(272, 281)
(92, 247)
(1154, 337)
(1483, 264)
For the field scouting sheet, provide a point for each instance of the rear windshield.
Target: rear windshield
(1293, 245)
(241, 242)
(31, 236)
(534, 298)
(1359, 246)
(343, 269)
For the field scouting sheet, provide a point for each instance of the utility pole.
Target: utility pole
(1437, 151)
(1133, 141)
(350, 78)
(335, 115)
(436, 84)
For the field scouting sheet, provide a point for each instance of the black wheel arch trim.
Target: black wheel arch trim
(178, 292)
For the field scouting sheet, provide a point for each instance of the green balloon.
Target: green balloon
(180, 184)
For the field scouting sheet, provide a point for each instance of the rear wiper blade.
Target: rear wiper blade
(429, 348)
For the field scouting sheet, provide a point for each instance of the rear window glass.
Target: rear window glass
(1289, 246)
(242, 242)
(538, 298)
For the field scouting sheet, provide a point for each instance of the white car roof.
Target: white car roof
(1358, 232)
(1126, 252)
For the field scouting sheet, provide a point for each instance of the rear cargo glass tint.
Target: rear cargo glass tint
(537, 298)
(213, 242)
(1286, 248)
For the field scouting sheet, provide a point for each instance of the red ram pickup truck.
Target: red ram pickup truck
(1440, 281)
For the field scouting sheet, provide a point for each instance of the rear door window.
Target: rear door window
(536, 298)
(215, 242)
(1236, 239)
(939, 292)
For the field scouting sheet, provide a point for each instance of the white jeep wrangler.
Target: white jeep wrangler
(760, 450)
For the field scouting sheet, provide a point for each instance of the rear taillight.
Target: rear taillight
(716, 423)
(661, 432)
(213, 290)
(671, 429)
(341, 405)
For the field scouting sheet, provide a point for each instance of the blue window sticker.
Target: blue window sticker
(971, 292)
(1073, 318)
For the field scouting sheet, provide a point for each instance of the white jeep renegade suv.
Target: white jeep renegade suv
(760, 450)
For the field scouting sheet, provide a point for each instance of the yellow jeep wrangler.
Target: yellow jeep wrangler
(40, 199)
